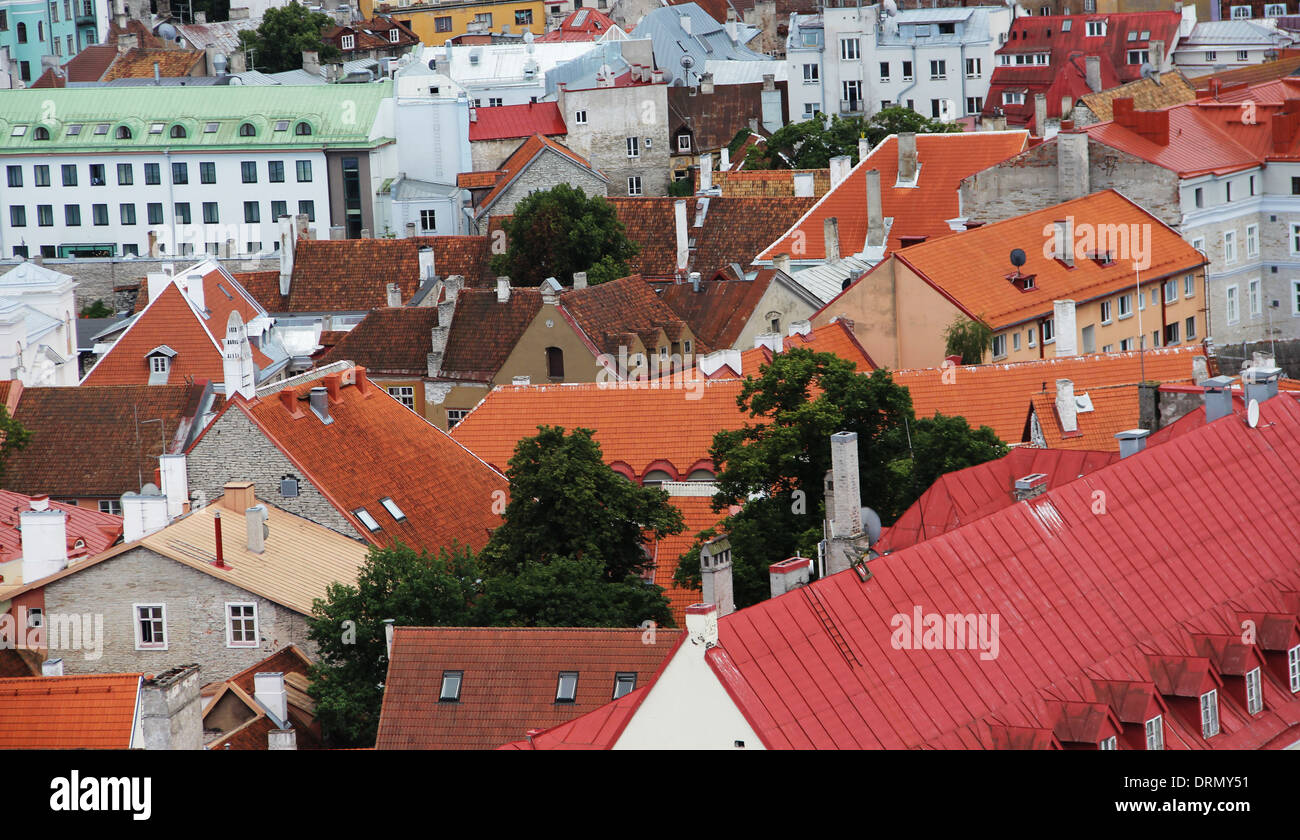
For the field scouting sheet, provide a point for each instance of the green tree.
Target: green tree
(776, 465)
(812, 143)
(413, 589)
(897, 120)
(216, 10)
(968, 339)
(96, 310)
(570, 593)
(284, 35)
(13, 437)
(556, 232)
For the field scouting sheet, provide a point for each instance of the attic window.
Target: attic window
(567, 690)
(211, 128)
(247, 130)
(75, 129)
(123, 133)
(1065, 25)
(451, 681)
(281, 125)
(41, 133)
(19, 131)
(392, 508)
(179, 132)
(156, 128)
(302, 129)
(366, 519)
(102, 128)
(1145, 36)
(1133, 36)
(905, 241)
(624, 683)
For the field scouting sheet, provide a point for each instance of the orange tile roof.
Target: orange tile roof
(698, 515)
(93, 712)
(923, 210)
(171, 319)
(520, 159)
(389, 340)
(377, 448)
(971, 267)
(1114, 409)
(720, 309)
(638, 428)
(138, 63)
(836, 337)
(767, 183)
(998, 396)
(510, 678)
(478, 180)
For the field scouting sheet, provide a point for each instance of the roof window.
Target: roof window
(156, 128)
(624, 683)
(366, 519)
(1065, 25)
(451, 681)
(102, 128)
(392, 508)
(211, 128)
(19, 131)
(74, 129)
(567, 690)
(281, 125)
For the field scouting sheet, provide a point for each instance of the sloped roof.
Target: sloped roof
(1266, 71)
(998, 395)
(508, 121)
(836, 337)
(509, 683)
(680, 435)
(596, 730)
(89, 65)
(580, 25)
(94, 530)
(1148, 94)
(608, 311)
(961, 497)
(138, 63)
(484, 331)
(389, 341)
(971, 267)
(252, 734)
(720, 309)
(922, 210)
(523, 157)
(768, 183)
(90, 712)
(1115, 409)
(714, 118)
(697, 515)
(377, 448)
(86, 443)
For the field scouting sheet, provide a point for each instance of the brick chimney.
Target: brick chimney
(1072, 178)
(875, 211)
(171, 713)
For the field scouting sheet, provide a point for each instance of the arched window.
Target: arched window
(656, 477)
(123, 133)
(302, 130)
(178, 132)
(554, 363)
(701, 475)
(41, 133)
(22, 33)
(247, 130)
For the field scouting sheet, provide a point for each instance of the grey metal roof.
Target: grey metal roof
(827, 280)
(746, 72)
(89, 328)
(1216, 32)
(410, 189)
(707, 40)
(973, 26)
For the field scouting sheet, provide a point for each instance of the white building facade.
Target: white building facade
(38, 332)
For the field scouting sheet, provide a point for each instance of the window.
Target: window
(683, 143)
(155, 212)
(1139, 56)
(207, 173)
(974, 104)
(907, 71)
(1189, 285)
(15, 174)
(183, 212)
(1171, 291)
(1105, 312)
(1171, 333)
(451, 680)
(69, 174)
(252, 212)
(852, 91)
(1029, 336)
(634, 185)
(99, 213)
(241, 625)
(1232, 314)
(567, 689)
(522, 16)
(810, 109)
(442, 24)
(152, 175)
(41, 133)
(1252, 240)
(936, 109)
(1125, 345)
(1253, 297)
(279, 209)
(999, 346)
(1210, 713)
(303, 171)
(72, 215)
(484, 18)
(849, 49)
(45, 215)
(128, 214)
(1198, 197)
(580, 117)
(455, 415)
(366, 519)
(1190, 325)
(404, 394)
(18, 216)
(884, 71)
(1013, 97)
(1156, 733)
(150, 627)
(1125, 306)
(974, 68)
(308, 209)
(125, 174)
(275, 171)
(1254, 697)
(1227, 191)
(210, 216)
(923, 30)
(634, 147)
(555, 362)
(247, 130)
(1293, 667)
(938, 69)
(392, 508)
(1096, 28)
(394, 34)
(281, 125)
(1241, 12)
(302, 129)
(41, 175)
(178, 132)
(624, 683)
(1049, 330)
(1110, 743)
(349, 42)
(1272, 10)
(494, 101)
(180, 173)
(113, 506)
(159, 364)
(1229, 246)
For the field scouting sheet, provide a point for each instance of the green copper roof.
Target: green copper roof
(211, 117)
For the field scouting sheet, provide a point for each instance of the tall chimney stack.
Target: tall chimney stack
(875, 211)
(715, 574)
(846, 515)
(789, 574)
(679, 224)
(1066, 408)
(907, 159)
(831, 233)
(44, 534)
(1092, 72)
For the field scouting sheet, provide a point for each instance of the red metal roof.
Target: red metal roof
(580, 25)
(505, 122)
(89, 531)
(68, 713)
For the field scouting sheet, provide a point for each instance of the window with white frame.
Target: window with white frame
(1105, 312)
(1155, 730)
(1139, 56)
(566, 691)
(451, 681)
(1253, 297)
(683, 142)
(1096, 28)
(1273, 10)
(1031, 340)
(1295, 297)
(150, 627)
(349, 42)
(241, 625)
(580, 117)
(1171, 291)
(1211, 55)
(1189, 285)
(428, 220)
(811, 108)
(1015, 341)
(812, 74)
(907, 71)
(159, 363)
(1241, 12)
(938, 69)
(1125, 345)
(884, 71)
(1229, 246)
(1293, 667)
(974, 68)
(634, 147)
(974, 104)
(1232, 313)
(1125, 306)
(404, 394)
(634, 185)
(1210, 713)
(1254, 695)
(1295, 239)
(1013, 97)
(1190, 325)
(455, 415)
(999, 346)
(849, 49)
(1049, 331)
(113, 506)
(1111, 743)
(852, 91)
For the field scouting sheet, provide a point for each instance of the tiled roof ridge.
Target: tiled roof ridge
(1191, 349)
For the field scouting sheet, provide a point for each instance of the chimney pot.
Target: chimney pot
(394, 295)
(702, 624)
(1218, 397)
(1029, 486)
(907, 159)
(1132, 441)
(51, 667)
(579, 280)
(875, 211)
(320, 404)
(1066, 408)
(268, 689)
(503, 290)
(255, 519)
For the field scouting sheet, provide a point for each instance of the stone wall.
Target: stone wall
(546, 171)
(1232, 356)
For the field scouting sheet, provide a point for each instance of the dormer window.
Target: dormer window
(366, 519)
(160, 364)
(1096, 28)
(567, 689)
(123, 133)
(1210, 713)
(302, 129)
(247, 130)
(392, 508)
(1110, 743)
(1155, 731)
(178, 132)
(451, 681)
(1293, 667)
(349, 42)
(41, 133)
(1254, 694)
(394, 35)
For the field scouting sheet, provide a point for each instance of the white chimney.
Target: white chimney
(875, 211)
(51, 667)
(711, 363)
(388, 637)
(847, 510)
(799, 328)
(702, 625)
(238, 373)
(789, 574)
(426, 264)
(579, 280)
(715, 575)
(503, 290)
(781, 262)
(192, 286)
(1064, 328)
(1131, 442)
(772, 341)
(158, 282)
(706, 172)
(268, 689)
(394, 295)
(831, 235)
(803, 184)
(864, 148)
(288, 239)
(907, 160)
(679, 218)
(44, 535)
(175, 483)
(1063, 242)
(143, 514)
(840, 167)
(255, 524)
(1066, 408)
(685, 21)
(724, 159)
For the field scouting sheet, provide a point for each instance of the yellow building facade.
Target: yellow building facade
(434, 23)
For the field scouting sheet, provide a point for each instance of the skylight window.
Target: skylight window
(366, 519)
(1145, 36)
(156, 128)
(1065, 25)
(392, 508)
(1133, 36)
(624, 684)
(451, 681)
(102, 128)
(567, 690)
(281, 125)
(19, 131)
(74, 130)
(211, 128)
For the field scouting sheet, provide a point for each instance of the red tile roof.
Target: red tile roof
(90, 441)
(1114, 409)
(389, 341)
(376, 448)
(94, 531)
(173, 320)
(478, 180)
(510, 679)
(523, 157)
(718, 312)
(608, 311)
(484, 331)
(89, 65)
(922, 210)
(998, 396)
(961, 497)
(68, 713)
(677, 442)
(580, 25)
(971, 267)
(1099, 610)
(508, 121)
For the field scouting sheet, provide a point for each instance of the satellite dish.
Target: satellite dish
(1017, 257)
(1252, 413)
(433, 64)
(891, 7)
(687, 61)
(871, 524)
(167, 32)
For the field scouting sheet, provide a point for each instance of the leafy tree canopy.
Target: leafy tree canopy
(812, 143)
(284, 35)
(968, 339)
(556, 232)
(13, 437)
